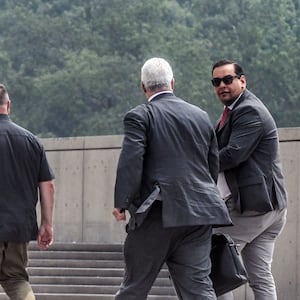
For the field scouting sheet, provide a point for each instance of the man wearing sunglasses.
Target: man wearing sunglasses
(250, 179)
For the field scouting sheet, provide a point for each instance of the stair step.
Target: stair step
(108, 272)
(91, 289)
(86, 297)
(82, 255)
(75, 263)
(87, 280)
(76, 280)
(98, 272)
(58, 246)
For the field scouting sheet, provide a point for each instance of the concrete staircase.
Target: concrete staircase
(71, 271)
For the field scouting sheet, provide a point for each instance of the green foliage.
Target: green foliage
(72, 67)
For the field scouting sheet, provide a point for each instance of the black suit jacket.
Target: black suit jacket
(171, 144)
(249, 156)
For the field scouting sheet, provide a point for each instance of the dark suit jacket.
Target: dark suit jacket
(171, 143)
(249, 156)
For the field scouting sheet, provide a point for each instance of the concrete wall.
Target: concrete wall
(85, 169)
(85, 172)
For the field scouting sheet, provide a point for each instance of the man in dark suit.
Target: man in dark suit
(250, 179)
(166, 179)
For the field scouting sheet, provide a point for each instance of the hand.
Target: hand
(119, 214)
(45, 237)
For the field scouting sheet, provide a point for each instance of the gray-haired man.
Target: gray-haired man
(166, 178)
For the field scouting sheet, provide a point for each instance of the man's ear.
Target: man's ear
(243, 81)
(173, 83)
(143, 88)
(8, 106)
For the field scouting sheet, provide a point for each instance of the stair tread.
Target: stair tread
(75, 263)
(76, 255)
(78, 246)
(70, 296)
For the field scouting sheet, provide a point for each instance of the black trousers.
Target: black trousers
(185, 250)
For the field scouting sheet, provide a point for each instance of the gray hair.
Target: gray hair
(156, 73)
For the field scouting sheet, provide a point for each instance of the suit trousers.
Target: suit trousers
(13, 274)
(185, 250)
(256, 233)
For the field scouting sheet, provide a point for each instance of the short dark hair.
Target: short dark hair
(237, 67)
(3, 94)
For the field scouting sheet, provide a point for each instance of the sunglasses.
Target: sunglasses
(216, 81)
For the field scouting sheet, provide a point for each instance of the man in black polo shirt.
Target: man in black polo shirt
(24, 173)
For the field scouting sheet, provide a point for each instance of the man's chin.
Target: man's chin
(226, 100)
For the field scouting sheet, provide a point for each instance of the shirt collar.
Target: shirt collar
(159, 93)
(231, 106)
(4, 117)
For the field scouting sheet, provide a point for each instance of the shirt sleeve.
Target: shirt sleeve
(45, 173)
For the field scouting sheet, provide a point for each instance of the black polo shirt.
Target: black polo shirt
(23, 164)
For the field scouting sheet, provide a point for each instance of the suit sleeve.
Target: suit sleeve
(213, 157)
(130, 165)
(246, 132)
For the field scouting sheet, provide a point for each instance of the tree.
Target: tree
(72, 67)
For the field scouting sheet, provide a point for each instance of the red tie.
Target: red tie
(224, 117)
